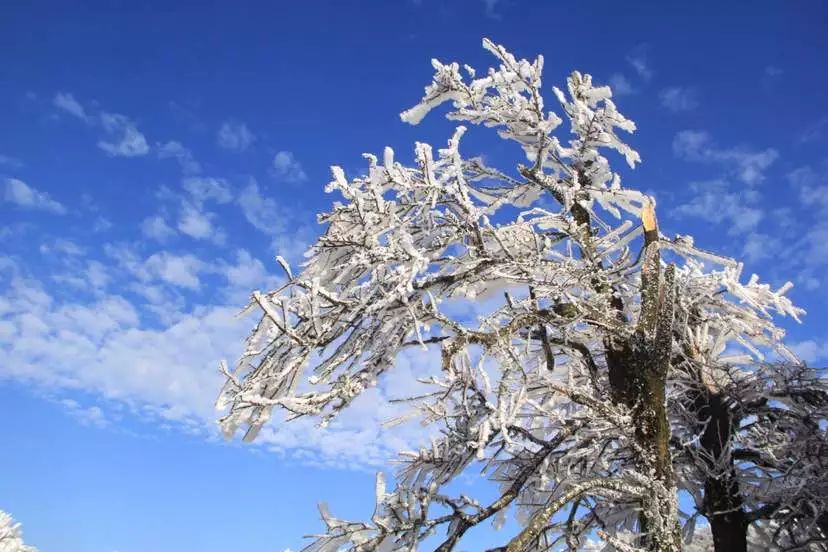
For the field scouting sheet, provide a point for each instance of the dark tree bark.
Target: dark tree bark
(638, 376)
(722, 498)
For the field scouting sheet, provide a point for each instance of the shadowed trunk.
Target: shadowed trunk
(722, 500)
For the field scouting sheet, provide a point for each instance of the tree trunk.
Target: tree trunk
(638, 377)
(722, 499)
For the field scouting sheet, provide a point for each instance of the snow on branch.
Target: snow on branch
(11, 536)
(577, 322)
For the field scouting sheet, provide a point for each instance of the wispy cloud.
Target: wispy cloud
(759, 246)
(67, 103)
(198, 224)
(246, 273)
(156, 228)
(621, 85)
(747, 165)
(184, 156)
(678, 98)
(234, 136)
(771, 75)
(168, 371)
(11, 162)
(86, 415)
(62, 246)
(124, 138)
(814, 131)
(26, 197)
(287, 169)
(639, 62)
(810, 249)
(102, 348)
(263, 213)
(202, 189)
(101, 224)
(810, 350)
(716, 202)
(490, 9)
(773, 71)
(178, 270)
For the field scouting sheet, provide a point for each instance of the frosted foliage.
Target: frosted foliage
(11, 537)
(572, 263)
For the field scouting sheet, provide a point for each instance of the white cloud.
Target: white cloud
(641, 65)
(102, 224)
(91, 415)
(198, 224)
(677, 98)
(490, 9)
(292, 246)
(688, 144)
(156, 228)
(263, 213)
(810, 350)
(203, 189)
(11, 162)
(124, 139)
(193, 219)
(184, 156)
(814, 131)
(62, 246)
(94, 277)
(169, 373)
(747, 165)
(811, 247)
(812, 186)
(102, 348)
(114, 349)
(178, 270)
(19, 193)
(247, 272)
(714, 202)
(771, 75)
(245, 275)
(97, 274)
(234, 136)
(127, 259)
(66, 102)
(760, 246)
(286, 168)
(621, 85)
(127, 140)
(773, 71)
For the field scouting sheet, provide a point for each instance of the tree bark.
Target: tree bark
(723, 505)
(638, 377)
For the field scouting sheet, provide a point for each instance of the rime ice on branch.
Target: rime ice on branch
(11, 537)
(559, 393)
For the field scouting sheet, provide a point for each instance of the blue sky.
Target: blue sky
(155, 159)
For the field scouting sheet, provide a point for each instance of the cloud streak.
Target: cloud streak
(747, 165)
(121, 137)
(677, 98)
(234, 136)
(24, 196)
(287, 169)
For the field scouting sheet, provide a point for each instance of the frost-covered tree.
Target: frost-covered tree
(564, 319)
(11, 537)
(751, 445)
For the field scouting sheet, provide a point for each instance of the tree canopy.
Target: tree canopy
(605, 366)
